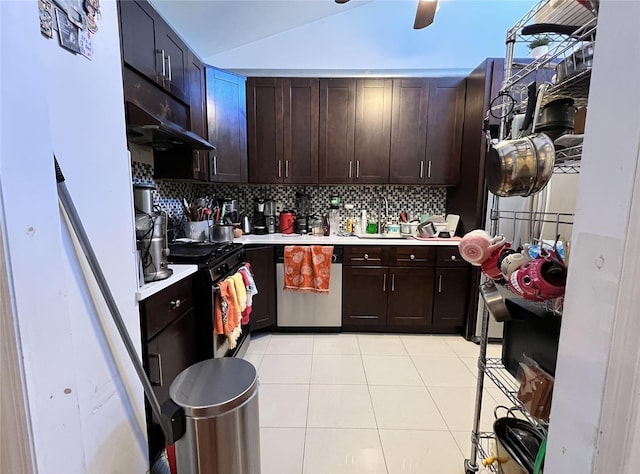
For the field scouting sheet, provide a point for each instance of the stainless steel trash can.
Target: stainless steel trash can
(220, 401)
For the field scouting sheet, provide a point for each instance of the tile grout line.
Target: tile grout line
(373, 408)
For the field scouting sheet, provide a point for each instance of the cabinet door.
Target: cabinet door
(176, 61)
(410, 297)
(170, 352)
(301, 102)
(227, 119)
(372, 130)
(197, 103)
(409, 131)
(138, 31)
(444, 133)
(197, 114)
(337, 121)
(262, 260)
(364, 297)
(264, 119)
(450, 299)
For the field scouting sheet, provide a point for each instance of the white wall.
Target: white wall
(602, 214)
(84, 417)
(379, 36)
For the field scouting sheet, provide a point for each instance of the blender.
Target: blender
(303, 211)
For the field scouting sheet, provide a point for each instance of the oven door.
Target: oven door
(220, 341)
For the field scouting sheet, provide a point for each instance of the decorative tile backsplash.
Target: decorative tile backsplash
(414, 200)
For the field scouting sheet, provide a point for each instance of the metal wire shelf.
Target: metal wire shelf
(485, 444)
(500, 376)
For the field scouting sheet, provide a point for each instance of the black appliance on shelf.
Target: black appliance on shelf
(216, 261)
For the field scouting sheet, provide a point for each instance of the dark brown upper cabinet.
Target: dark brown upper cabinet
(152, 48)
(444, 131)
(282, 116)
(227, 124)
(355, 130)
(198, 116)
(409, 130)
(426, 133)
(372, 130)
(337, 122)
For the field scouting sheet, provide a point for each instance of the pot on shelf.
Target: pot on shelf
(221, 233)
(520, 167)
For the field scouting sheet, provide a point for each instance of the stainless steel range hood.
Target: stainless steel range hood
(145, 128)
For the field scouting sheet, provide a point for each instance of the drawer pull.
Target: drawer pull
(384, 282)
(453, 257)
(440, 284)
(366, 256)
(393, 282)
(412, 257)
(177, 303)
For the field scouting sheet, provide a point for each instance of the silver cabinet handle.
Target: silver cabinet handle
(156, 383)
(393, 282)
(384, 282)
(215, 165)
(357, 168)
(412, 257)
(429, 169)
(176, 304)
(421, 169)
(453, 257)
(350, 168)
(279, 168)
(440, 284)
(169, 66)
(366, 256)
(286, 168)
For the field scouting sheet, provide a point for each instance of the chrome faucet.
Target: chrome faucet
(382, 225)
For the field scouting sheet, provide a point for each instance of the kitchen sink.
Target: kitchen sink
(381, 236)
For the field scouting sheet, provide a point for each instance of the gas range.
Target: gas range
(205, 254)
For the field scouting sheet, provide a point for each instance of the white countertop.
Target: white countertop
(179, 273)
(295, 239)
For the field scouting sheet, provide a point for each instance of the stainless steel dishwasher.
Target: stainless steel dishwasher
(301, 309)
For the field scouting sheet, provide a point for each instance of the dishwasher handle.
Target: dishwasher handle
(336, 258)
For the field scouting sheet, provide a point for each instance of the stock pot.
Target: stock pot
(520, 167)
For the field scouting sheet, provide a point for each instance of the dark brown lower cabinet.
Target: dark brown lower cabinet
(364, 297)
(450, 297)
(169, 346)
(262, 260)
(409, 299)
(380, 298)
(404, 289)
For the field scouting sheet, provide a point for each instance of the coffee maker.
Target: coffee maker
(303, 211)
(259, 219)
(270, 215)
(151, 235)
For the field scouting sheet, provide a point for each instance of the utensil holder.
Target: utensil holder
(198, 230)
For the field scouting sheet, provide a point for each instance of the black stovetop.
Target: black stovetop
(200, 252)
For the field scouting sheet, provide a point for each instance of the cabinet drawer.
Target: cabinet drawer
(414, 257)
(450, 257)
(365, 256)
(162, 308)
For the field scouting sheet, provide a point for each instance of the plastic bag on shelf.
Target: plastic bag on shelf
(536, 389)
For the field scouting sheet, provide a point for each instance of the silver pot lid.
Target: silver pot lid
(214, 386)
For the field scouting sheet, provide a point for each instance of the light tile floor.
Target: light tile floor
(367, 403)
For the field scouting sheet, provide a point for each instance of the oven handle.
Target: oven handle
(234, 269)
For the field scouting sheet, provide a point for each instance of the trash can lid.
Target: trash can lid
(214, 386)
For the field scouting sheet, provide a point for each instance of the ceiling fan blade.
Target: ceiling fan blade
(425, 14)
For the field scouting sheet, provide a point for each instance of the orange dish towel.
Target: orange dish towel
(307, 268)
